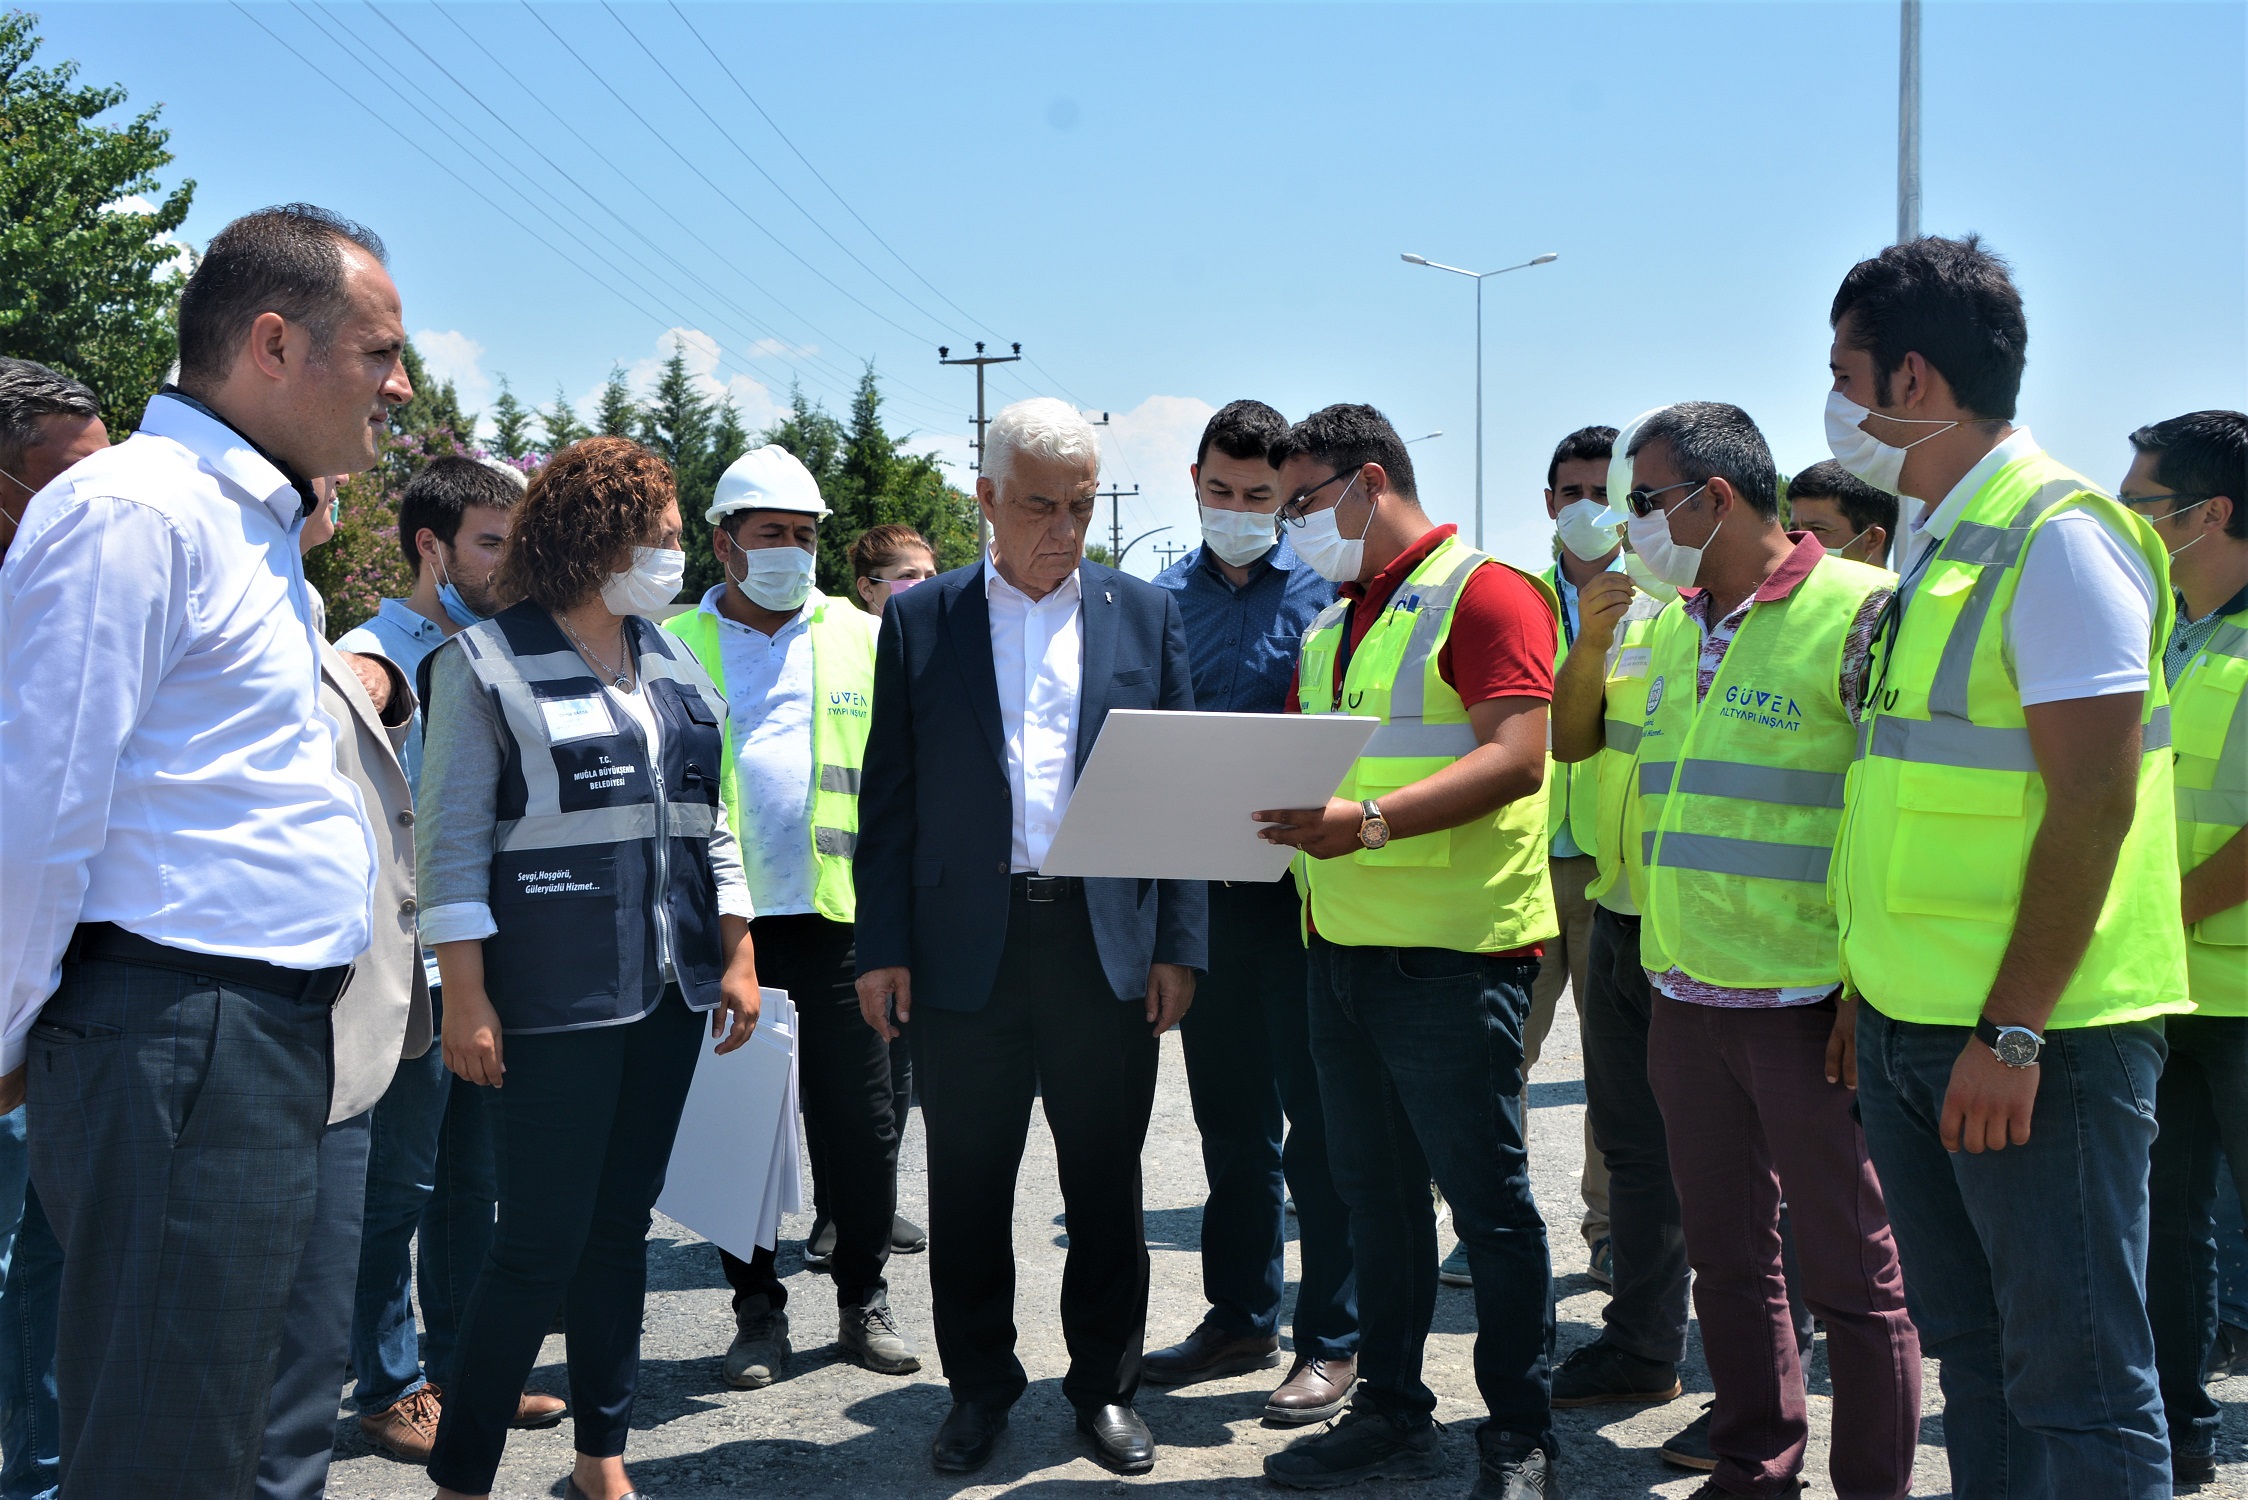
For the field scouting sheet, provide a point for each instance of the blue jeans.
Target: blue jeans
(1248, 1064)
(2023, 1267)
(30, 1285)
(2202, 1108)
(1419, 1053)
(415, 1149)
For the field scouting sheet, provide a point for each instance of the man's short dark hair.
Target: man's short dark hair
(287, 260)
(29, 391)
(2202, 453)
(1712, 440)
(1241, 429)
(436, 497)
(1950, 301)
(1585, 442)
(1349, 437)
(1860, 503)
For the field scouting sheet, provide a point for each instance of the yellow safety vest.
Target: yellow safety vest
(2209, 728)
(1741, 789)
(1624, 708)
(1572, 792)
(842, 709)
(1946, 798)
(1482, 887)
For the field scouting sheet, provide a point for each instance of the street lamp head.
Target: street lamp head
(1546, 259)
(1413, 260)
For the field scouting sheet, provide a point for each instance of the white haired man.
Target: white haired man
(990, 687)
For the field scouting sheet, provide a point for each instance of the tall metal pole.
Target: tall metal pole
(1908, 121)
(1479, 414)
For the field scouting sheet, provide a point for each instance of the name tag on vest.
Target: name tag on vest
(1632, 661)
(576, 718)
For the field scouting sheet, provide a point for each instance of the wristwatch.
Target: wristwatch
(1373, 831)
(2015, 1046)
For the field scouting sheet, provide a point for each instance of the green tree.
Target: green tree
(616, 414)
(698, 483)
(87, 286)
(434, 415)
(511, 424)
(676, 421)
(559, 422)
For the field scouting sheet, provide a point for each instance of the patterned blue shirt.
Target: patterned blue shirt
(1242, 643)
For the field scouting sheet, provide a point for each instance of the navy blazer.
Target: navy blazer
(936, 814)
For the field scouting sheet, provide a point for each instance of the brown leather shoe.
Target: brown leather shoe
(407, 1428)
(1314, 1391)
(538, 1409)
(1210, 1353)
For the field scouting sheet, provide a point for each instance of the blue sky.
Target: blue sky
(1175, 205)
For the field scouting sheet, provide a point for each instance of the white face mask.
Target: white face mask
(649, 584)
(1320, 542)
(1644, 579)
(1651, 539)
(1588, 529)
(1879, 464)
(1238, 537)
(776, 577)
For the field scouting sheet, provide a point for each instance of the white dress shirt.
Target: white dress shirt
(1038, 653)
(768, 691)
(163, 761)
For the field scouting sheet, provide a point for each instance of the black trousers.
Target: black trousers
(300, 1420)
(586, 1124)
(843, 1072)
(1054, 1029)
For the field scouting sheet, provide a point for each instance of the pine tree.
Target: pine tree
(676, 421)
(560, 422)
(698, 483)
(511, 424)
(434, 415)
(616, 414)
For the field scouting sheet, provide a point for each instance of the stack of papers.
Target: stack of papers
(734, 1166)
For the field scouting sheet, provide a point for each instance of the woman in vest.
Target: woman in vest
(586, 902)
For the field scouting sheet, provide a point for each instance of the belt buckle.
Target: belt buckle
(1044, 889)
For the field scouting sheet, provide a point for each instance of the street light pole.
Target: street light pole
(1478, 277)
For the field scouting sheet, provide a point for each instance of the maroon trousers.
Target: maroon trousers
(1752, 1120)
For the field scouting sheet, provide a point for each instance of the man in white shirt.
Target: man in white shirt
(178, 919)
(991, 685)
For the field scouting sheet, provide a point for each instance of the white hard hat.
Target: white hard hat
(772, 478)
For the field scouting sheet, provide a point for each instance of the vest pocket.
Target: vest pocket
(556, 910)
(1960, 845)
(2227, 928)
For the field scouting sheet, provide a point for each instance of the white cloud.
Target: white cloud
(752, 398)
(453, 355)
(1152, 445)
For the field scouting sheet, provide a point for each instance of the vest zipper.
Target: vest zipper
(665, 965)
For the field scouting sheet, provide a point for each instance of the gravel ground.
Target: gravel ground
(833, 1430)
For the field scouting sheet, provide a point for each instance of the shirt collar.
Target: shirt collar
(717, 591)
(227, 452)
(1280, 557)
(996, 587)
(1377, 589)
(1784, 580)
(409, 619)
(1938, 521)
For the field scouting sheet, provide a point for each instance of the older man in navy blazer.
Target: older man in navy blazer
(990, 686)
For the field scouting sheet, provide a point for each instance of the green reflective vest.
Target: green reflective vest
(1945, 798)
(1572, 792)
(1741, 789)
(842, 708)
(1482, 887)
(1624, 707)
(2209, 730)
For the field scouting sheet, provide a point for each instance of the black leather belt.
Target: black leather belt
(106, 942)
(1044, 888)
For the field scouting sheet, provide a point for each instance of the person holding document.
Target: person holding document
(580, 884)
(990, 687)
(1428, 899)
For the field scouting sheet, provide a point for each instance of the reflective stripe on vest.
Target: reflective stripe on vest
(1482, 887)
(1945, 799)
(2210, 709)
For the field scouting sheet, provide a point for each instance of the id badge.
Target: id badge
(570, 719)
(1632, 661)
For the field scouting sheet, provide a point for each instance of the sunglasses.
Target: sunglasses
(1644, 503)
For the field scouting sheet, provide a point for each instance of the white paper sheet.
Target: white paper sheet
(1167, 796)
(733, 1167)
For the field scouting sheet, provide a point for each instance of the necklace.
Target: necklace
(621, 680)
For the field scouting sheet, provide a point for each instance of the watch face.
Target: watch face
(1373, 834)
(2016, 1048)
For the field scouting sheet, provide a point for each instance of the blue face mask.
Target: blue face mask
(455, 605)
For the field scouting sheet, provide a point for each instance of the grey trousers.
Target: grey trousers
(175, 1126)
(300, 1423)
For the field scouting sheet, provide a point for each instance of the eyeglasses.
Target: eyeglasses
(2174, 501)
(1643, 502)
(1292, 513)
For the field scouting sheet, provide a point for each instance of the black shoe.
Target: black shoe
(970, 1431)
(1120, 1439)
(1691, 1449)
(907, 1237)
(2192, 1468)
(819, 1246)
(2228, 1353)
(1603, 1266)
(1513, 1469)
(1365, 1444)
(1600, 1373)
(1211, 1353)
(1710, 1489)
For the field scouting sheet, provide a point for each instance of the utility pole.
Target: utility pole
(1115, 499)
(981, 359)
(1908, 121)
(1170, 552)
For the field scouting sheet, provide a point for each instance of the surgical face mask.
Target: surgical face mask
(649, 584)
(1588, 529)
(1238, 537)
(1879, 464)
(777, 578)
(1320, 542)
(2181, 510)
(1644, 579)
(455, 604)
(1665, 558)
